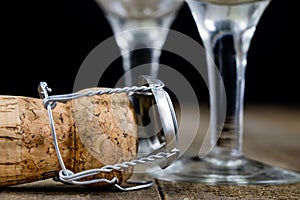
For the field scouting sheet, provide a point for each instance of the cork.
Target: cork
(91, 131)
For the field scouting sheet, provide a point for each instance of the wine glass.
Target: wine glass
(140, 24)
(226, 28)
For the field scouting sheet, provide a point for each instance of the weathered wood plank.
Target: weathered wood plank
(50, 190)
(272, 135)
(189, 191)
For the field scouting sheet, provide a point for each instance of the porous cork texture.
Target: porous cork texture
(91, 132)
(113, 139)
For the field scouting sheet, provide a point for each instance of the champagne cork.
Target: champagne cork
(91, 131)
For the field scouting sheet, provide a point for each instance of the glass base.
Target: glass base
(211, 171)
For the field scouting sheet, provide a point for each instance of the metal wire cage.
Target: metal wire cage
(160, 147)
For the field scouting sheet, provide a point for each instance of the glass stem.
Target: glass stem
(126, 68)
(155, 62)
(146, 56)
(226, 32)
(227, 52)
(140, 42)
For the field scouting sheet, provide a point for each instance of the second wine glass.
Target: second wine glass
(140, 24)
(226, 28)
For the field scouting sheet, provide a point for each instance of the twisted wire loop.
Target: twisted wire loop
(66, 97)
(67, 176)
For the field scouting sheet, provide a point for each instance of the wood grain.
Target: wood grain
(272, 135)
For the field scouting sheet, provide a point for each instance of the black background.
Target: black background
(48, 40)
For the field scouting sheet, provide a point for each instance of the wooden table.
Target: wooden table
(272, 135)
